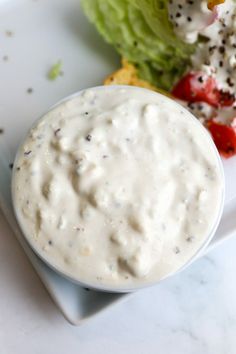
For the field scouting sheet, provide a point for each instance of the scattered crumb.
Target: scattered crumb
(5, 58)
(1, 130)
(9, 33)
(30, 90)
(55, 71)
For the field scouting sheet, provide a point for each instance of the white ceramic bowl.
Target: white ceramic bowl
(136, 287)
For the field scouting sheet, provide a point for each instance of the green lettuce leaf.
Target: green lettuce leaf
(142, 33)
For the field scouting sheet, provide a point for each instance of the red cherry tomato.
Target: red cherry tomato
(224, 137)
(198, 87)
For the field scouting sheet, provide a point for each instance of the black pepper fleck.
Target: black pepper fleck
(88, 137)
(212, 48)
(1, 131)
(221, 49)
(229, 82)
(30, 90)
(57, 131)
(27, 152)
(11, 166)
(200, 107)
(190, 105)
(190, 239)
(200, 79)
(176, 250)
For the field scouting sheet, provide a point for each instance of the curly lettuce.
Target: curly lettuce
(142, 33)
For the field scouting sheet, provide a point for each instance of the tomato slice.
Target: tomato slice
(198, 87)
(224, 137)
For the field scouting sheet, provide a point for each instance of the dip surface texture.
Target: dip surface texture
(117, 187)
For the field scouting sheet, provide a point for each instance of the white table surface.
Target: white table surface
(192, 313)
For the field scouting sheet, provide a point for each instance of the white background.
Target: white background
(192, 313)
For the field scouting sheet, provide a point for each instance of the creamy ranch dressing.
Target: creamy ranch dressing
(204, 112)
(189, 17)
(117, 187)
(216, 56)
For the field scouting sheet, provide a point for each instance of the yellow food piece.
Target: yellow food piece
(127, 75)
(212, 3)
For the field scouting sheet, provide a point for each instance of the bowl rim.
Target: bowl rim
(97, 286)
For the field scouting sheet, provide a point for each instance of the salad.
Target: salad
(184, 47)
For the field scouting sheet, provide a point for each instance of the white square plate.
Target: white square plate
(34, 35)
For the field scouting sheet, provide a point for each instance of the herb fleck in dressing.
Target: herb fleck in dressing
(117, 186)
